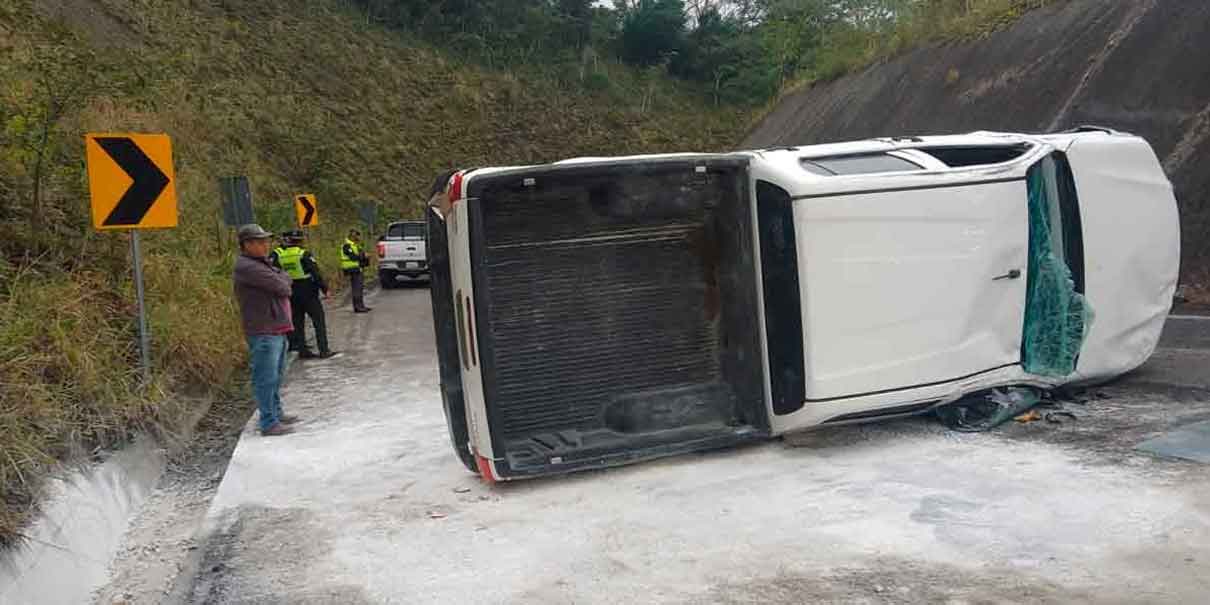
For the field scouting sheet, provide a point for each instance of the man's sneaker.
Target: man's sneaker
(365, 310)
(277, 430)
(287, 419)
(307, 354)
(328, 354)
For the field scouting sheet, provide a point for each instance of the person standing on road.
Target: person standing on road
(352, 260)
(263, 293)
(308, 284)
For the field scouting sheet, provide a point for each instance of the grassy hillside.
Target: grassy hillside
(299, 96)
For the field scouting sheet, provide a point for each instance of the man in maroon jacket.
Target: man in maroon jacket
(263, 292)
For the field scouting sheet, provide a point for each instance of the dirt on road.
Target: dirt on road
(160, 541)
(368, 504)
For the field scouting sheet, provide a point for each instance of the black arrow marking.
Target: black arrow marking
(149, 181)
(310, 210)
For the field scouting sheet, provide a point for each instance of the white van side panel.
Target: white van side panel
(821, 340)
(907, 288)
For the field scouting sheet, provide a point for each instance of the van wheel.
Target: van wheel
(387, 280)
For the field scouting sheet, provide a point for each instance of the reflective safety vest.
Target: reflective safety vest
(290, 260)
(350, 262)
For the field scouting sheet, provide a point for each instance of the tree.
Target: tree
(652, 30)
(577, 17)
(60, 79)
(707, 53)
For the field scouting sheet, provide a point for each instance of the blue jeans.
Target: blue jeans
(268, 357)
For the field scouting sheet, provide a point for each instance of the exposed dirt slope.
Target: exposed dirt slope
(1135, 65)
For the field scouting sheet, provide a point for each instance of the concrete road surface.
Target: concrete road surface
(367, 504)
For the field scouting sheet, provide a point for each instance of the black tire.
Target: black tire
(387, 280)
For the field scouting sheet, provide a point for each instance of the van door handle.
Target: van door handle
(1014, 274)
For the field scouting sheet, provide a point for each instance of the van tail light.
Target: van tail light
(382, 250)
(455, 188)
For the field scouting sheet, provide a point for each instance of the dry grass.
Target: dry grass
(68, 359)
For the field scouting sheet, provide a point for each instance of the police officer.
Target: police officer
(352, 260)
(308, 283)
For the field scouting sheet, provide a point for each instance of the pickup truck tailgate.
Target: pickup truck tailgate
(618, 312)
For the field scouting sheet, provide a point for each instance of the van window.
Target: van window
(958, 157)
(783, 304)
(1056, 312)
(869, 163)
(406, 230)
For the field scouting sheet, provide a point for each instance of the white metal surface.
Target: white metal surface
(899, 288)
(398, 249)
(395, 251)
(1131, 250)
(899, 301)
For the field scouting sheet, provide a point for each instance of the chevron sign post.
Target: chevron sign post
(132, 186)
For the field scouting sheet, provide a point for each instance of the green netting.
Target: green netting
(1056, 316)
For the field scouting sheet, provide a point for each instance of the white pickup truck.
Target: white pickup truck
(600, 311)
(401, 253)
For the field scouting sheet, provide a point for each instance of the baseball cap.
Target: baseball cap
(252, 231)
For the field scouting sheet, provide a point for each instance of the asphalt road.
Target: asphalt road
(1185, 331)
(367, 503)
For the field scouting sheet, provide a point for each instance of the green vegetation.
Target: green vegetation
(878, 34)
(736, 51)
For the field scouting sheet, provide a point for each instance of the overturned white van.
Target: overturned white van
(599, 311)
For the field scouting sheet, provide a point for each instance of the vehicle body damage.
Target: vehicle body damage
(599, 311)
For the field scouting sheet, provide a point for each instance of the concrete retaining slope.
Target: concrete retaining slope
(1135, 65)
(67, 553)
